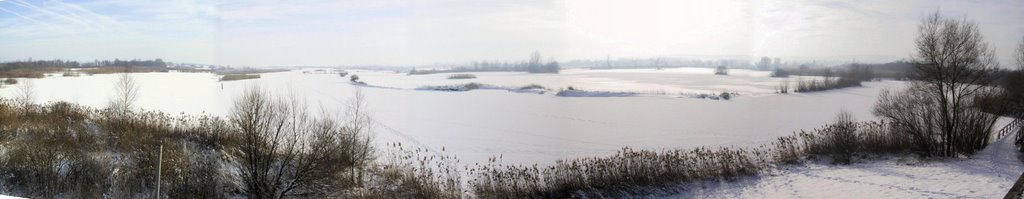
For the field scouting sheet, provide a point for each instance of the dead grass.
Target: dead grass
(39, 72)
(112, 70)
(629, 170)
(64, 150)
(233, 77)
(412, 173)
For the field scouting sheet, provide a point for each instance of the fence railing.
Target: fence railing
(1015, 127)
(1009, 128)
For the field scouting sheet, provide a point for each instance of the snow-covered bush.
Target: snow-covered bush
(462, 76)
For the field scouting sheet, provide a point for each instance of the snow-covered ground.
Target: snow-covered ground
(667, 81)
(532, 128)
(522, 127)
(988, 174)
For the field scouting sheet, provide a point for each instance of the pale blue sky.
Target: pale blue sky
(395, 32)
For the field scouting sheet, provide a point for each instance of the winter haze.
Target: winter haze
(265, 33)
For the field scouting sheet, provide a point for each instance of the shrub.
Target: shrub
(837, 140)
(10, 81)
(532, 86)
(276, 161)
(778, 72)
(784, 86)
(63, 150)
(50, 152)
(722, 70)
(851, 78)
(725, 96)
(916, 113)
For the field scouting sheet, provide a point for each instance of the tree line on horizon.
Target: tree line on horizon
(59, 63)
(533, 65)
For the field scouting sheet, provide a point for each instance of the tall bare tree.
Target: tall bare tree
(287, 152)
(358, 128)
(26, 94)
(952, 64)
(126, 90)
(1020, 55)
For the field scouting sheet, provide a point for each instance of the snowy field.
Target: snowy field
(530, 128)
(670, 81)
(522, 127)
(988, 174)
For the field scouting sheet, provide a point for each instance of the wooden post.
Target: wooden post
(159, 160)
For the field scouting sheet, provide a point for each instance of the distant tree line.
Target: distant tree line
(534, 65)
(658, 62)
(58, 63)
(766, 63)
(38, 68)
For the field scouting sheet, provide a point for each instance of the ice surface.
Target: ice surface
(522, 127)
(533, 128)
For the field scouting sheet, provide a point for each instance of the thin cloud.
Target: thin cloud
(402, 32)
(35, 21)
(59, 12)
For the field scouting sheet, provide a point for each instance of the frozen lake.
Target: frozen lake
(522, 127)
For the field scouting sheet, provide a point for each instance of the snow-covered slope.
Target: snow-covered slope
(987, 174)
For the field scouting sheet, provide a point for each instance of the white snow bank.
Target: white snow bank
(988, 174)
(475, 86)
(583, 93)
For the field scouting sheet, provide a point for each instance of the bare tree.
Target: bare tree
(358, 130)
(26, 94)
(764, 63)
(911, 111)
(268, 147)
(535, 60)
(1020, 55)
(952, 65)
(126, 93)
(287, 152)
